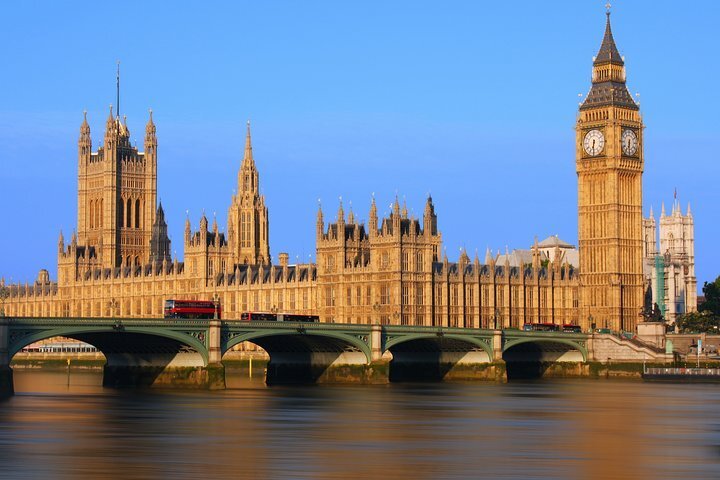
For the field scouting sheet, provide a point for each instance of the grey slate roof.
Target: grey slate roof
(608, 50)
(609, 93)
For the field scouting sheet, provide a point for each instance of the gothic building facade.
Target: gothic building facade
(388, 271)
(669, 265)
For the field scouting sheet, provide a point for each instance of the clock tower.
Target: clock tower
(609, 164)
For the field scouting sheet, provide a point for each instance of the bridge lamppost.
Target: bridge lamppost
(216, 304)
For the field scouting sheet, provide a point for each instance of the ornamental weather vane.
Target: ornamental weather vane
(608, 5)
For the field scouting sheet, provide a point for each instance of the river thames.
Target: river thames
(548, 429)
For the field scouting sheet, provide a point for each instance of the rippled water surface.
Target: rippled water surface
(550, 429)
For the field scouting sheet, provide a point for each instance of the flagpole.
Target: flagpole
(118, 89)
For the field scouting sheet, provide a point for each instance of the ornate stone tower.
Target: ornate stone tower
(677, 248)
(609, 163)
(248, 216)
(117, 190)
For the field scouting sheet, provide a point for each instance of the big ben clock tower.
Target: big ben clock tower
(609, 163)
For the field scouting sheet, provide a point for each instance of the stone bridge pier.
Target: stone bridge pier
(6, 374)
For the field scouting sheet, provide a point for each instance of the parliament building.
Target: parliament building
(388, 271)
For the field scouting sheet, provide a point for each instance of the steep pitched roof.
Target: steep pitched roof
(608, 50)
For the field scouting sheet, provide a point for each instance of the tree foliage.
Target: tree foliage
(698, 322)
(712, 297)
(707, 318)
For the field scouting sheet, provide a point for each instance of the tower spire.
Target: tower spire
(608, 50)
(248, 156)
(608, 76)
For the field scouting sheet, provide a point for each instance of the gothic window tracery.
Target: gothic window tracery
(137, 213)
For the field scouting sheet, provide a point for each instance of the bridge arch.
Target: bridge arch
(136, 354)
(300, 340)
(549, 343)
(435, 356)
(534, 357)
(103, 337)
(298, 355)
(452, 340)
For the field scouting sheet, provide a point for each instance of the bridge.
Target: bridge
(188, 353)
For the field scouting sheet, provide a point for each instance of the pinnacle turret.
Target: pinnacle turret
(340, 213)
(320, 223)
(373, 218)
(150, 131)
(84, 126)
(84, 142)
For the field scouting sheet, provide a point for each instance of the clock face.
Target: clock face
(594, 142)
(629, 142)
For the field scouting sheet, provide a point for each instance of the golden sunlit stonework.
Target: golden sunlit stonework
(390, 271)
(609, 153)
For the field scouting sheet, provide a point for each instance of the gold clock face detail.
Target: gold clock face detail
(594, 142)
(629, 142)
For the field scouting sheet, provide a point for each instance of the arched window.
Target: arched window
(137, 213)
(100, 213)
(129, 213)
(121, 213)
(92, 214)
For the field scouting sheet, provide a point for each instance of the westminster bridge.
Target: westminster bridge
(189, 353)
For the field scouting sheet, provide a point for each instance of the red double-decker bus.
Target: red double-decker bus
(192, 309)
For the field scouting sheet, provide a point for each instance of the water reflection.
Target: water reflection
(570, 429)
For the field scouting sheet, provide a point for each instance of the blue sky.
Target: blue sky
(474, 102)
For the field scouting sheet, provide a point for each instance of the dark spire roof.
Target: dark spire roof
(608, 89)
(608, 50)
(160, 215)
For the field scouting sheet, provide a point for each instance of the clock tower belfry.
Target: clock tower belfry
(609, 164)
